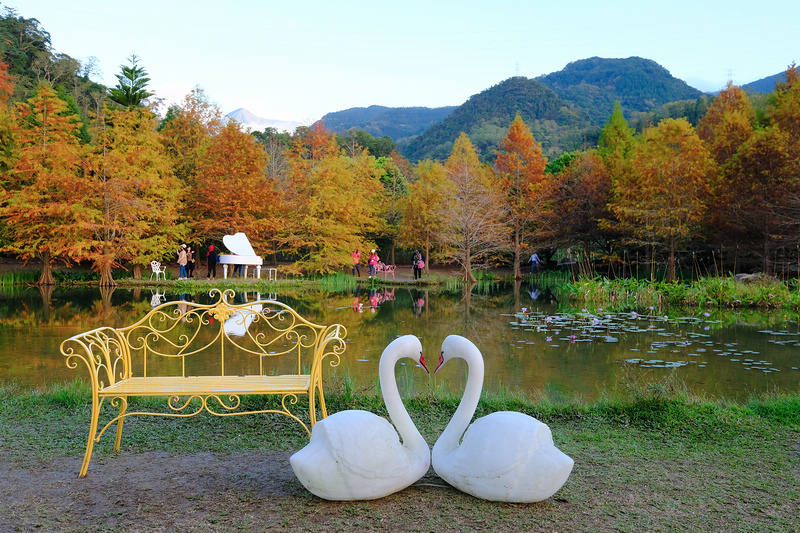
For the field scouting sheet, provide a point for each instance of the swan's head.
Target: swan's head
(407, 346)
(455, 346)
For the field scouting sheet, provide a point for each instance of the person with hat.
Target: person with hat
(182, 262)
(211, 263)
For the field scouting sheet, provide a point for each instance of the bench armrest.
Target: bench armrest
(105, 353)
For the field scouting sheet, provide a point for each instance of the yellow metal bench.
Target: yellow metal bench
(204, 357)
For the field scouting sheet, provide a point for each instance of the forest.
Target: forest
(96, 177)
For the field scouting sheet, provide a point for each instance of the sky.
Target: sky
(297, 60)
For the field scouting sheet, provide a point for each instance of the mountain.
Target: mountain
(764, 85)
(379, 121)
(485, 117)
(256, 123)
(565, 110)
(639, 84)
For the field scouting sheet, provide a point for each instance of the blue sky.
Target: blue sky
(297, 60)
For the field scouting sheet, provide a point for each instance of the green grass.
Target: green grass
(19, 277)
(648, 457)
(638, 295)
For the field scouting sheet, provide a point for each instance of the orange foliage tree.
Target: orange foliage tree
(764, 203)
(581, 197)
(395, 186)
(134, 214)
(233, 193)
(334, 202)
(8, 155)
(520, 167)
(474, 230)
(424, 207)
(727, 123)
(43, 218)
(664, 197)
(726, 126)
(188, 131)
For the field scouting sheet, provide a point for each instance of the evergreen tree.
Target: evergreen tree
(130, 90)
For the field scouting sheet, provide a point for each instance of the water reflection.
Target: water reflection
(536, 350)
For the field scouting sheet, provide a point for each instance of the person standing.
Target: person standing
(211, 263)
(356, 255)
(182, 262)
(416, 262)
(534, 261)
(373, 260)
(189, 262)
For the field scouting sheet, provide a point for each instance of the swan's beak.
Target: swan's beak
(441, 362)
(422, 362)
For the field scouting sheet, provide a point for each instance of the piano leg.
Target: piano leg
(245, 271)
(224, 271)
(258, 271)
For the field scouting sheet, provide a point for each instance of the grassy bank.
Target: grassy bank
(639, 295)
(651, 459)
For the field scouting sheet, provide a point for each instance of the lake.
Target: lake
(541, 350)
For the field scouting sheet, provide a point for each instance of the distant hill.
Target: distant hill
(639, 84)
(764, 85)
(565, 110)
(485, 117)
(379, 121)
(256, 123)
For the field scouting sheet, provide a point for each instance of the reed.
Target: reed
(338, 282)
(637, 295)
(19, 277)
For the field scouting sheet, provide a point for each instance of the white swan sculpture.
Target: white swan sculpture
(357, 455)
(505, 456)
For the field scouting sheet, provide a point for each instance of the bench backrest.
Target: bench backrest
(186, 338)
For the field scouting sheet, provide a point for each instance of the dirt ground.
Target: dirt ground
(403, 273)
(248, 491)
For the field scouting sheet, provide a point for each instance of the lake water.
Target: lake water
(541, 350)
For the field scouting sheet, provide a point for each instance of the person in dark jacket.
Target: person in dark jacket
(211, 262)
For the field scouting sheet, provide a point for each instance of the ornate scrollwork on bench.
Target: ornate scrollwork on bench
(205, 357)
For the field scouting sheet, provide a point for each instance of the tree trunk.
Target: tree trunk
(137, 271)
(106, 275)
(517, 253)
(47, 274)
(671, 267)
(469, 277)
(427, 258)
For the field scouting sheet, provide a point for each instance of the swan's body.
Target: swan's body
(505, 456)
(357, 455)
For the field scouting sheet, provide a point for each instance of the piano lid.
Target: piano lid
(238, 244)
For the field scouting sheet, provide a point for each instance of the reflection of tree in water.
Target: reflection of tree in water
(105, 296)
(47, 294)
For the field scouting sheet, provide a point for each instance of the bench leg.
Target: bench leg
(92, 433)
(322, 408)
(122, 408)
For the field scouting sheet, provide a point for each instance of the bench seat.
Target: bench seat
(206, 385)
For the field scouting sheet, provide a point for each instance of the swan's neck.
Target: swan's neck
(394, 405)
(469, 402)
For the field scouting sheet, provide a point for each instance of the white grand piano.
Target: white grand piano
(242, 253)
